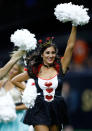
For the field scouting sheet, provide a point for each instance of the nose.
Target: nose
(50, 55)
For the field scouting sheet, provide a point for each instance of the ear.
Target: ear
(41, 55)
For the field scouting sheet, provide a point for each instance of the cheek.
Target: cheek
(54, 56)
(45, 56)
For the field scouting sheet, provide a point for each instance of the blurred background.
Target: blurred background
(38, 17)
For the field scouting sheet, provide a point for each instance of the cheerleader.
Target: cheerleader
(11, 107)
(47, 70)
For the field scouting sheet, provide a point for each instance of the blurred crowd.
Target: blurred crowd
(82, 56)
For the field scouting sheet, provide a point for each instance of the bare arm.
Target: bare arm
(17, 80)
(21, 107)
(1, 83)
(15, 57)
(69, 49)
(4, 70)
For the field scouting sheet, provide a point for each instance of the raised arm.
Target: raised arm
(69, 49)
(17, 80)
(15, 57)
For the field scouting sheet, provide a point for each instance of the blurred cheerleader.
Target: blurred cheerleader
(11, 107)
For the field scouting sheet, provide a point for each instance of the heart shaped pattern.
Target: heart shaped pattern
(49, 90)
(33, 84)
(48, 84)
(48, 97)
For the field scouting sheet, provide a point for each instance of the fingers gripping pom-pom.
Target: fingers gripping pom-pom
(29, 94)
(78, 15)
(24, 39)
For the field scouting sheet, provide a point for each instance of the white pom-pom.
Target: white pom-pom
(29, 94)
(7, 108)
(78, 15)
(24, 39)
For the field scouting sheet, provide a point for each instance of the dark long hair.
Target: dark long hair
(35, 59)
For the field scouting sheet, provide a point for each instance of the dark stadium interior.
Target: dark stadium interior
(37, 16)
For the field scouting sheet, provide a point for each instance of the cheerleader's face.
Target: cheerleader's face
(49, 55)
(14, 71)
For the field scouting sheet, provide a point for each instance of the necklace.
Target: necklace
(48, 66)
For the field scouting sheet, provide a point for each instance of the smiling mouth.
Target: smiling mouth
(50, 59)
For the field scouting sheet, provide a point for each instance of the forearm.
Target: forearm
(72, 37)
(19, 85)
(69, 49)
(70, 44)
(21, 107)
(14, 58)
(19, 79)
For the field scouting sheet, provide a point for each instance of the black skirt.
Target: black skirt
(47, 113)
